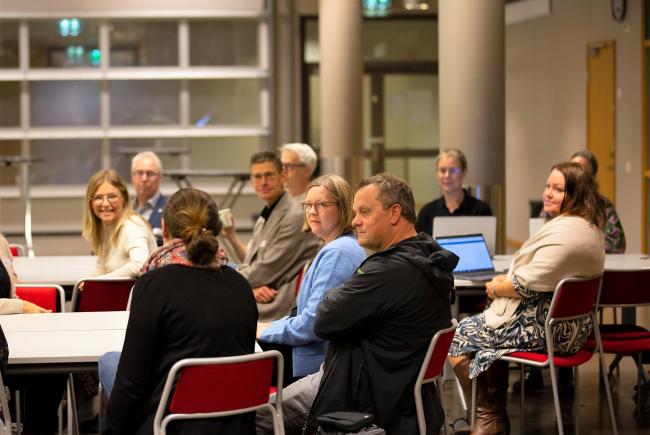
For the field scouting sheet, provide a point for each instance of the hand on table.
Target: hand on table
(264, 294)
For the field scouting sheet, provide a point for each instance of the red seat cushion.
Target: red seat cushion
(579, 358)
(633, 345)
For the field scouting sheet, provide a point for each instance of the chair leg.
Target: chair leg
(19, 425)
(576, 400)
(439, 386)
(522, 392)
(556, 400)
(608, 391)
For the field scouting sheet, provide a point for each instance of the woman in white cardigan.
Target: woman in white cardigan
(569, 244)
(121, 238)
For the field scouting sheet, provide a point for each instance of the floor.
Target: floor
(594, 415)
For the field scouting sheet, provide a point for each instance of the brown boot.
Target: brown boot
(491, 401)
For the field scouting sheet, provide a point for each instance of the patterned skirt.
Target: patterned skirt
(525, 332)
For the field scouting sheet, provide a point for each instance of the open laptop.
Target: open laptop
(475, 263)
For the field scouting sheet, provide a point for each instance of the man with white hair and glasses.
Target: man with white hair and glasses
(146, 173)
(298, 164)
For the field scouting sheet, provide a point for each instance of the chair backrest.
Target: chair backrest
(434, 362)
(48, 296)
(102, 294)
(534, 225)
(625, 288)
(458, 225)
(17, 250)
(301, 276)
(219, 387)
(574, 298)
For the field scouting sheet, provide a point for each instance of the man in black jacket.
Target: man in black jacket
(380, 322)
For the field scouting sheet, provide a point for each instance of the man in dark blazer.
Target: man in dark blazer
(278, 248)
(146, 173)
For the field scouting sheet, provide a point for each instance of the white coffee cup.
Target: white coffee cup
(225, 217)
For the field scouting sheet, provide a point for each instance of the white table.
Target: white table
(62, 342)
(60, 269)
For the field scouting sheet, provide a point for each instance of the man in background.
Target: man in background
(146, 173)
(278, 248)
(298, 164)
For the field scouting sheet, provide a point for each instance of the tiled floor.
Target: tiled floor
(594, 416)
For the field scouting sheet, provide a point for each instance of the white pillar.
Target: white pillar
(471, 46)
(341, 79)
(472, 85)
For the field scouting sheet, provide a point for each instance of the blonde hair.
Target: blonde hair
(92, 225)
(343, 195)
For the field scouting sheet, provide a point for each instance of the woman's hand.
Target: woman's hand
(491, 287)
(260, 328)
(30, 308)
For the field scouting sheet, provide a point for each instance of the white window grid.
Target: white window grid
(105, 74)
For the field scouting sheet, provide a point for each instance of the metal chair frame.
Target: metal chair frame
(563, 286)
(436, 355)
(161, 421)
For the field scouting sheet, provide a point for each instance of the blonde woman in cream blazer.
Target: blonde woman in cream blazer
(569, 245)
(121, 238)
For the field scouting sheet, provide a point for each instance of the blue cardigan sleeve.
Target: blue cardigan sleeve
(332, 268)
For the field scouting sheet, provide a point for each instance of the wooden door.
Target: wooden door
(601, 113)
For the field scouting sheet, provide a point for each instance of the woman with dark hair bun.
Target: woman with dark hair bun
(187, 304)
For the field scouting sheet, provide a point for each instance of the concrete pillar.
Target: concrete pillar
(472, 85)
(341, 75)
(471, 38)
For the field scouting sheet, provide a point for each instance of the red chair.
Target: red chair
(102, 294)
(625, 288)
(51, 297)
(220, 387)
(17, 250)
(574, 298)
(432, 366)
(48, 296)
(301, 276)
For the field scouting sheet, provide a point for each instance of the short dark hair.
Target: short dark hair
(581, 196)
(267, 156)
(393, 190)
(590, 157)
(192, 215)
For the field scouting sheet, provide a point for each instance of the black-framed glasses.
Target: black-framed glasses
(290, 166)
(149, 174)
(268, 175)
(318, 205)
(112, 198)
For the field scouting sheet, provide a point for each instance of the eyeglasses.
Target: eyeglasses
(290, 166)
(451, 171)
(112, 198)
(318, 205)
(149, 174)
(259, 177)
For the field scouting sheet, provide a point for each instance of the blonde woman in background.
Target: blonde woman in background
(121, 238)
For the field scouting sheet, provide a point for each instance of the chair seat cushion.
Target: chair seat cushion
(579, 358)
(612, 332)
(620, 345)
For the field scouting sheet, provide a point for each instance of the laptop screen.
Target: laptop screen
(472, 251)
